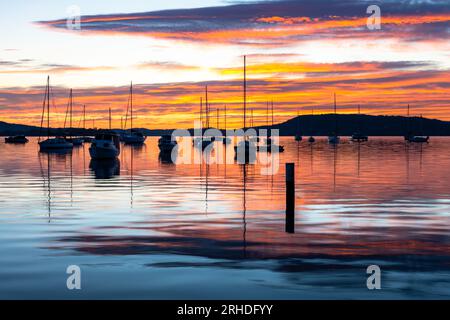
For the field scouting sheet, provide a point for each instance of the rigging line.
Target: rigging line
(126, 114)
(67, 111)
(43, 114)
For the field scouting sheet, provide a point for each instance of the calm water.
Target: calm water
(145, 228)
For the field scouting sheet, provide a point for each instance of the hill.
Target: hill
(316, 125)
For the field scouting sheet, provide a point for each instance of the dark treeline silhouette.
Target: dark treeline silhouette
(309, 125)
(347, 124)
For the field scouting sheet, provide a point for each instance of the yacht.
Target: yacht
(16, 139)
(246, 146)
(413, 138)
(166, 143)
(57, 143)
(420, 139)
(133, 136)
(334, 138)
(105, 146)
(359, 137)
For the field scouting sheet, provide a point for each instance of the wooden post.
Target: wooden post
(290, 197)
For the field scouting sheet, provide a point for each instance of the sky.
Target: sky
(299, 53)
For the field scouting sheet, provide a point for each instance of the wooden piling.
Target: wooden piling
(290, 197)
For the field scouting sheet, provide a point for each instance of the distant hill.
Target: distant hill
(316, 125)
(9, 129)
(347, 124)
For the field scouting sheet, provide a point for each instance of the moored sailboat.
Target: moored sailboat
(57, 143)
(334, 138)
(409, 137)
(298, 136)
(133, 136)
(16, 139)
(105, 145)
(358, 136)
(77, 141)
(245, 149)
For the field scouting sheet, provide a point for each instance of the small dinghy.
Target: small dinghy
(359, 137)
(419, 139)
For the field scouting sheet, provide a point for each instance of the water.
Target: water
(148, 229)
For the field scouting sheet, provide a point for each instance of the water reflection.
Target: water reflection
(105, 168)
(383, 201)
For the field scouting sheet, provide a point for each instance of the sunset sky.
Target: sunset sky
(299, 52)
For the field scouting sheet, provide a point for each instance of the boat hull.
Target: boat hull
(417, 139)
(76, 141)
(55, 144)
(103, 153)
(360, 138)
(17, 140)
(133, 139)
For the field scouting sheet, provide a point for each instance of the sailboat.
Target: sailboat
(268, 145)
(206, 141)
(246, 146)
(298, 136)
(57, 143)
(412, 138)
(133, 136)
(74, 141)
(311, 139)
(358, 136)
(334, 138)
(16, 139)
(106, 145)
(226, 140)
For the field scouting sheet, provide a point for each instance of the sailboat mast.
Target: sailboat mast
(131, 105)
(206, 107)
(272, 112)
(335, 115)
(48, 106)
(110, 124)
(201, 111)
(217, 118)
(245, 92)
(84, 116)
(225, 111)
(71, 109)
